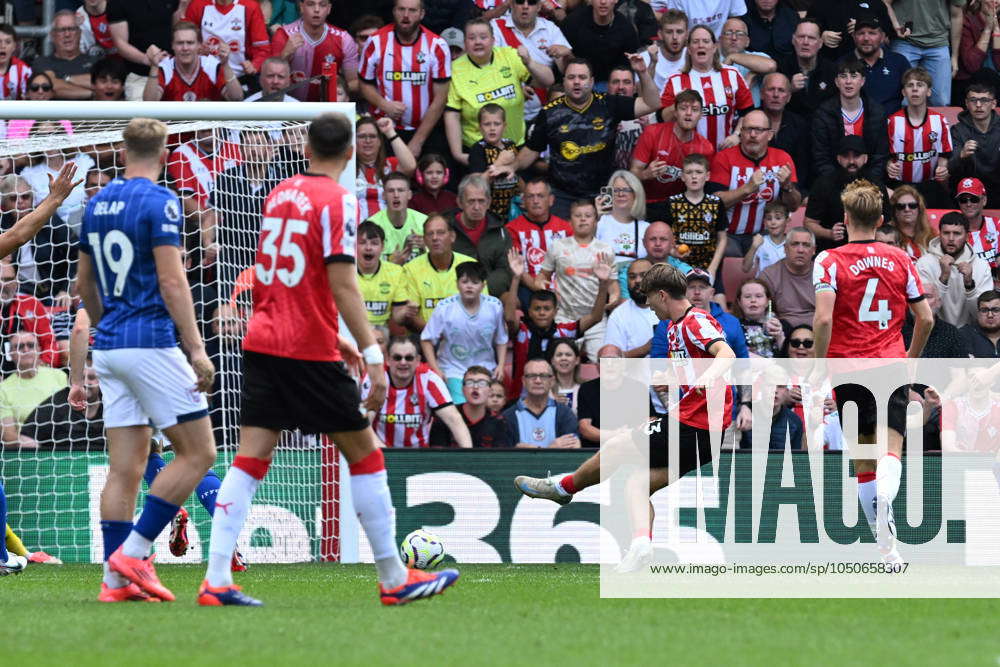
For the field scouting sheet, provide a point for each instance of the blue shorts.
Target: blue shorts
(455, 387)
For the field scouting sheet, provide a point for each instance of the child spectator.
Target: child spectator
(763, 331)
(432, 175)
(572, 260)
(384, 287)
(698, 220)
(889, 235)
(495, 156)
(486, 427)
(535, 332)
(498, 397)
(14, 72)
(465, 330)
(402, 225)
(769, 248)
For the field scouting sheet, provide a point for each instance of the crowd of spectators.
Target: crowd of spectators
(520, 165)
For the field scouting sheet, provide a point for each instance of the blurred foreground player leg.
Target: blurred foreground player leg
(12, 239)
(862, 292)
(133, 284)
(293, 372)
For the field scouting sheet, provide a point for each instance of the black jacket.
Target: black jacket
(491, 251)
(985, 163)
(773, 37)
(828, 128)
(793, 138)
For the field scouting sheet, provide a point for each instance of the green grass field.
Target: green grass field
(496, 614)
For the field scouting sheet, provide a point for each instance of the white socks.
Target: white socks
(136, 546)
(113, 579)
(373, 506)
(887, 476)
(231, 508)
(866, 496)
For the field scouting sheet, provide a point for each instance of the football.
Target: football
(422, 550)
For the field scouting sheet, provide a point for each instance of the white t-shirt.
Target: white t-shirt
(71, 210)
(464, 339)
(665, 68)
(769, 253)
(712, 13)
(630, 326)
(545, 34)
(572, 267)
(625, 238)
(260, 93)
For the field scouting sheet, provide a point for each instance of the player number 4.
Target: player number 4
(116, 243)
(271, 229)
(866, 314)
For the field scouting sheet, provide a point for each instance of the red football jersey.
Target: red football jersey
(368, 187)
(334, 47)
(14, 82)
(917, 148)
(309, 221)
(976, 428)
(532, 240)
(95, 35)
(731, 169)
(855, 124)
(658, 142)
(874, 283)
(206, 85)
(723, 91)
(191, 170)
(689, 338)
(984, 240)
(240, 25)
(405, 72)
(406, 416)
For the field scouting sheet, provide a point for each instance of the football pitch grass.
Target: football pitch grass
(496, 614)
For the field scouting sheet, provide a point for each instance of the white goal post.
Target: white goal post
(225, 158)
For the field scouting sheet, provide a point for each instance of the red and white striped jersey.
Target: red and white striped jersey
(368, 188)
(976, 428)
(192, 171)
(406, 415)
(724, 93)
(336, 46)
(206, 85)
(731, 169)
(984, 240)
(854, 124)
(874, 283)
(918, 147)
(689, 338)
(95, 35)
(532, 240)
(241, 25)
(406, 72)
(14, 82)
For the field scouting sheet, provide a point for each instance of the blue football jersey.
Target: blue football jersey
(121, 226)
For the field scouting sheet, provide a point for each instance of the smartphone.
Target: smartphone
(908, 26)
(606, 191)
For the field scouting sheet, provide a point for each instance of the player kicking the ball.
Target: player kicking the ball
(132, 281)
(861, 289)
(294, 376)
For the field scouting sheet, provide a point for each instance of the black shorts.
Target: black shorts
(695, 448)
(859, 393)
(286, 394)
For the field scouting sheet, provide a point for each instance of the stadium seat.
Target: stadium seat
(934, 216)
(733, 276)
(950, 113)
(588, 372)
(796, 218)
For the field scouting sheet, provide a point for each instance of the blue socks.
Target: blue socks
(154, 464)
(114, 533)
(155, 516)
(208, 490)
(3, 525)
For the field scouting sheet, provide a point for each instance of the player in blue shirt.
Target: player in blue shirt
(15, 237)
(132, 281)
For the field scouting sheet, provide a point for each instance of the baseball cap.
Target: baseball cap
(970, 186)
(454, 37)
(699, 274)
(852, 142)
(867, 20)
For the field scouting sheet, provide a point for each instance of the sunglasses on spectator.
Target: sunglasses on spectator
(968, 199)
(538, 376)
(40, 86)
(801, 342)
(995, 310)
(526, 2)
(476, 383)
(404, 357)
(902, 206)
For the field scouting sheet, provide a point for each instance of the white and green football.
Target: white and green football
(422, 550)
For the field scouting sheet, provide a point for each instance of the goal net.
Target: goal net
(224, 160)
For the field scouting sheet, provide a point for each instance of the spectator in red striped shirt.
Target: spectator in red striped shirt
(14, 72)
(984, 231)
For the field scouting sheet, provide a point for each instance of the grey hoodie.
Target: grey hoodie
(984, 164)
(958, 305)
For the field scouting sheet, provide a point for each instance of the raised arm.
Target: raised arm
(25, 229)
(603, 270)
